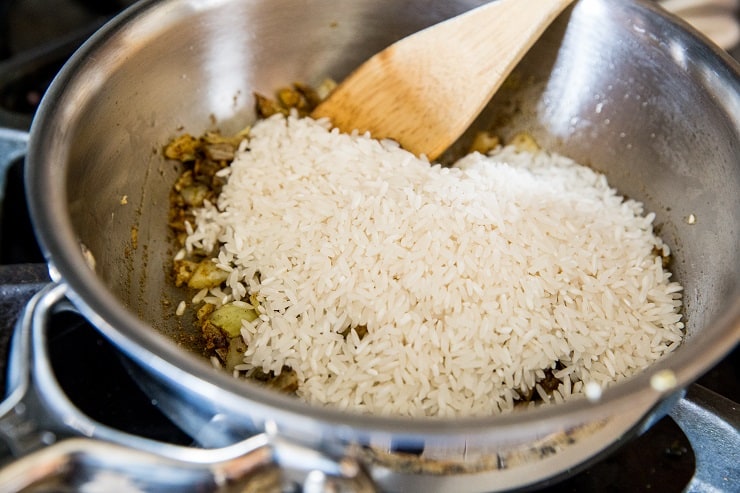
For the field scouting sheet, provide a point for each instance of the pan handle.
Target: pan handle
(711, 422)
(60, 448)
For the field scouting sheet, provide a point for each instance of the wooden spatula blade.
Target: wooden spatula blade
(426, 89)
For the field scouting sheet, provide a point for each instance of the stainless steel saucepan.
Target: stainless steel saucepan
(619, 85)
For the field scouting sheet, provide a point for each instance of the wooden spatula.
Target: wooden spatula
(426, 89)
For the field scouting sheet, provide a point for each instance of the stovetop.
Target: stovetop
(36, 37)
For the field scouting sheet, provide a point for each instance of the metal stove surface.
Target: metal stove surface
(36, 37)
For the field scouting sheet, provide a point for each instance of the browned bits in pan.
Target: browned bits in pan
(298, 97)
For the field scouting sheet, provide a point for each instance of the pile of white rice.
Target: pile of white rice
(471, 280)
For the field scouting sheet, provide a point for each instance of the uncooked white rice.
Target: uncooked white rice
(471, 280)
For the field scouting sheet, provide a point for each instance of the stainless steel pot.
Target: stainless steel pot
(619, 85)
